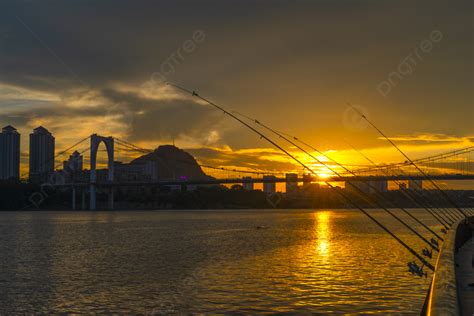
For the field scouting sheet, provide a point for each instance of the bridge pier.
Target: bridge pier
(154, 196)
(92, 197)
(111, 198)
(73, 193)
(83, 193)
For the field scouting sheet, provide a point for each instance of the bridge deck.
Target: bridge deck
(465, 276)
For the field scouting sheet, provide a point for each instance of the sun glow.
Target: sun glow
(324, 175)
(325, 172)
(322, 232)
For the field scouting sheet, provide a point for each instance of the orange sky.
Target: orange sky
(294, 67)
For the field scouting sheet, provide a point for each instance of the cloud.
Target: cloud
(431, 138)
(133, 114)
(252, 159)
(84, 67)
(15, 93)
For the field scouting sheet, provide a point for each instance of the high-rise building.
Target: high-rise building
(41, 155)
(74, 163)
(9, 153)
(307, 180)
(357, 187)
(291, 183)
(378, 186)
(247, 185)
(402, 186)
(138, 171)
(269, 184)
(367, 187)
(72, 168)
(415, 184)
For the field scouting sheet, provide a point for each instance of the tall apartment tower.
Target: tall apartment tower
(291, 183)
(247, 185)
(41, 155)
(72, 168)
(74, 163)
(269, 187)
(9, 153)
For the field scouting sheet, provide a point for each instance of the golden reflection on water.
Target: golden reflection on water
(322, 232)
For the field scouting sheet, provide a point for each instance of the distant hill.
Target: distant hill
(173, 163)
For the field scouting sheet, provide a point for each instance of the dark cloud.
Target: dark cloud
(147, 119)
(162, 119)
(291, 64)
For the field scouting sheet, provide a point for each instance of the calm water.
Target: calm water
(204, 261)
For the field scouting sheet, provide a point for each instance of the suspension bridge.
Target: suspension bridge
(453, 165)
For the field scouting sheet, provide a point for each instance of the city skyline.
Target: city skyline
(43, 159)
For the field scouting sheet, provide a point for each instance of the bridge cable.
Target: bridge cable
(58, 154)
(450, 214)
(466, 150)
(411, 161)
(406, 193)
(378, 191)
(46, 195)
(442, 210)
(258, 172)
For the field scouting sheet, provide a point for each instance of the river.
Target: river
(318, 261)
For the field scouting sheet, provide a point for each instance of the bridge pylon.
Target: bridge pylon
(109, 145)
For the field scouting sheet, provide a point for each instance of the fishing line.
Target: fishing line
(408, 158)
(438, 217)
(349, 200)
(362, 193)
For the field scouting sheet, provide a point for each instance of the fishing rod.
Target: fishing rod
(446, 196)
(342, 194)
(443, 193)
(440, 219)
(447, 215)
(431, 200)
(411, 195)
(450, 214)
(403, 209)
(362, 193)
(408, 194)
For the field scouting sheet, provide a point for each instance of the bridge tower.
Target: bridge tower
(109, 145)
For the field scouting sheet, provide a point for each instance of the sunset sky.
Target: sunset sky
(78, 69)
